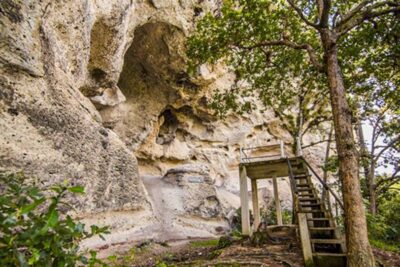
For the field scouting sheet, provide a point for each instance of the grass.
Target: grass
(384, 246)
(204, 243)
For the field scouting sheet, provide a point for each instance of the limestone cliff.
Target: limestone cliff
(95, 91)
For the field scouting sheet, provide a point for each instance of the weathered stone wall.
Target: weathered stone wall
(96, 91)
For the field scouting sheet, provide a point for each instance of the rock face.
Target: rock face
(95, 91)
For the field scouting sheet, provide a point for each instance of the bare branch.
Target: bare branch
(301, 15)
(314, 123)
(316, 143)
(310, 50)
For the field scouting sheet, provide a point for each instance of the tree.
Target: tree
(376, 96)
(270, 43)
(383, 116)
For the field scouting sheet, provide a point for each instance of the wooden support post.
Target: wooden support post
(282, 145)
(305, 240)
(277, 202)
(256, 208)
(244, 200)
(299, 151)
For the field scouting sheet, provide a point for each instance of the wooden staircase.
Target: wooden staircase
(322, 241)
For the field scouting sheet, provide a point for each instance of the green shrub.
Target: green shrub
(271, 218)
(384, 228)
(33, 231)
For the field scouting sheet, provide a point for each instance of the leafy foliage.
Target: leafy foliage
(384, 228)
(268, 74)
(271, 218)
(33, 229)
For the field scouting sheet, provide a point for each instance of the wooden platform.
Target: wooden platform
(270, 168)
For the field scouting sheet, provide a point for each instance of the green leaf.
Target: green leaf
(77, 189)
(53, 218)
(35, 257)
(28, 208)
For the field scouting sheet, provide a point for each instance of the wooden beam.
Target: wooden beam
(305, 240)
(256, 208)
(277, 202)
(244, 200)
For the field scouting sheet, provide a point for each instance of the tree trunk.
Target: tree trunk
(325, 193)
(372, 188)
(369, 169)
(359, 250)
(372, 200)
(364, 151)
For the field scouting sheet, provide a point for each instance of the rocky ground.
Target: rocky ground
(210, 252)
(282, 250)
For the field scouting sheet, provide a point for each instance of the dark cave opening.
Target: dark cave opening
(154, 62)
(168, 128)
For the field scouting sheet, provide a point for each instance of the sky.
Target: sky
(367, 129)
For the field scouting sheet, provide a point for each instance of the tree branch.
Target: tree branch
(357, 16)
(325, 14)
(353, 12)
(301, 15)
(389, 145)
(310, 50)
(316, 143)
(395, 180)
(320, 5)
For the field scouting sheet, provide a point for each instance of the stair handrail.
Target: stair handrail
(246, 158)
(304, 232)
(325, 185)
(293, 184)
(291, 175)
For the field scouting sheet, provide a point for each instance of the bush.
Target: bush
(271, 218)
(32, 230)
(384, 228)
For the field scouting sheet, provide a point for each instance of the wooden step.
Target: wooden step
(318, 219)
(299, 177)
(313, 211)
(306, 195)
(321, 228)
(304, 189)
(327, 254)
(326, 241)
(303, 185)
(310, 205)
(308, 199)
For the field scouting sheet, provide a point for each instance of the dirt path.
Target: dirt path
(207, 253)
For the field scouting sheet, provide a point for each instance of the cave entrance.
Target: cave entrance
(154, 62)
(169, 125)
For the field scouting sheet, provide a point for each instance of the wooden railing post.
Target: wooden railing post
(244, 200)
(299, 151)
(282, 146)
(277, 202)
(256, 208)
(305, 240)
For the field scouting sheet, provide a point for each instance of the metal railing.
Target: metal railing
(245, 156)
(294, 189)
(324, 184)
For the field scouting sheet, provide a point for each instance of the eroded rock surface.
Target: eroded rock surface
(96, 91)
